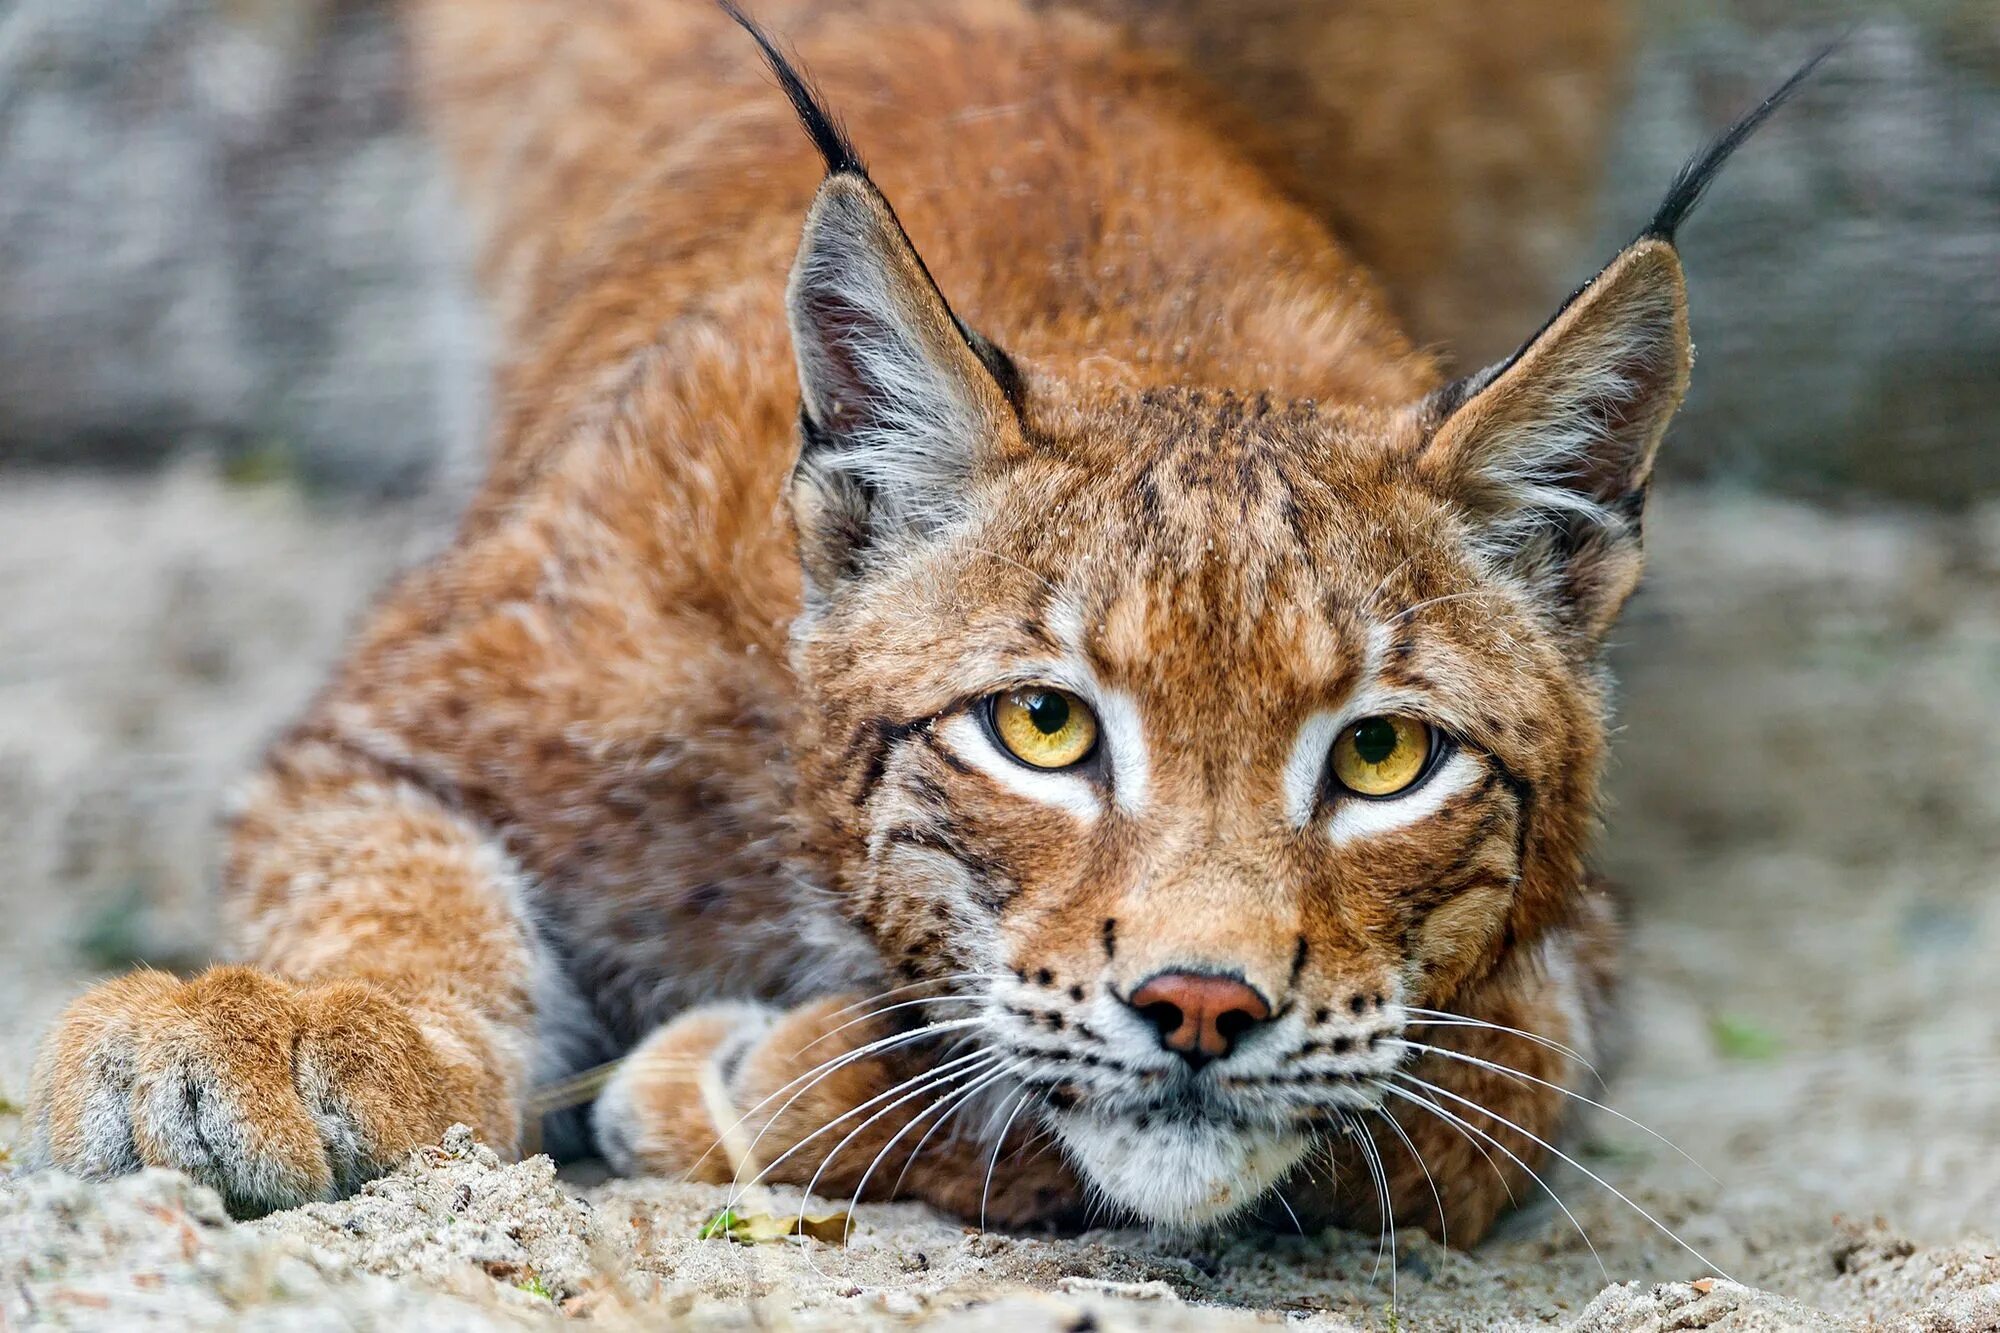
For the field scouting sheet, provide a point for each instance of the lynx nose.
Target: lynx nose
(1199, 1017)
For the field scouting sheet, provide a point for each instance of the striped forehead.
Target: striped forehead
(1159, 680)
(1282, 636)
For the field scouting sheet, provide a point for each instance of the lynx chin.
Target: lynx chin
(1054, 708)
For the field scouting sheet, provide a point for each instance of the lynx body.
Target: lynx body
(1090, 715)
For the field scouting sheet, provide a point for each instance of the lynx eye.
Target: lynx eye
(1381, 756)
(1044, 728)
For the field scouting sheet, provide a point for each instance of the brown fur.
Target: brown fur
(597, 741)
(1454, 144)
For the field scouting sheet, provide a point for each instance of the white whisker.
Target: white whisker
(999, 1142)
(983, 1077)
(812, 1077)
(874, 1014)
(914, 985)
(1286, 1204)
(1438, 1018)
(1471, 595)
(1464, 1124)
(1480, 1148)
(1444, 1237)
(957, 1100)
(809, 1079)
(1450, 1054)
(1387, 1230)
(1664, 1229)
(957, 1097)
(915, 1086)
(1369, 600)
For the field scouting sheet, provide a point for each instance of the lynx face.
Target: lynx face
(1194, 740)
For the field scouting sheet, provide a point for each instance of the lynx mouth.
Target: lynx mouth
(1180, 1170)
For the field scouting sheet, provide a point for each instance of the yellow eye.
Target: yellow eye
(1045, 728)
(1380, 756)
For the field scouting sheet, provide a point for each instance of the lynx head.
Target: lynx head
(1193, 739)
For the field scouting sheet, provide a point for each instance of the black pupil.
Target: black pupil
(1375, 740)
(1049, 712)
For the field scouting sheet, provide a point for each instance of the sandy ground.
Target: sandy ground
(1807, 821)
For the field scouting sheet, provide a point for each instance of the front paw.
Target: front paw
(655, 1115)
(815, 1096)
(274, 1094)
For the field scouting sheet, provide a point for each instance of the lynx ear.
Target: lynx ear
(1551, 450)
(898, 399)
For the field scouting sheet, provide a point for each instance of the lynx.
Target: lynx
(1059, 705)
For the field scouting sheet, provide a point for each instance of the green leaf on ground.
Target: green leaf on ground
(1739, 1038)
(761, 1228)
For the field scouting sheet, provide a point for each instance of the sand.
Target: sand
(1806, 819)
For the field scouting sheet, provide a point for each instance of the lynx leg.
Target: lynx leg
(800, 1105)
(390, 993)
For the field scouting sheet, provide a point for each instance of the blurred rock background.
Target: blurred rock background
(220, 228)
(1846, 272)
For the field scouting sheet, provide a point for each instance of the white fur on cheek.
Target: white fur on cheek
(1305, 768)
(1355, 818)
(1184, 1173)
(1118, 721)
(1063, 790)
(1558, 961)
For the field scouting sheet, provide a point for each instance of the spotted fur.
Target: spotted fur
(679, 749)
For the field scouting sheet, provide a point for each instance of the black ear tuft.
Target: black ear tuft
(1695, 178)
(821, 124)
(1690, 184)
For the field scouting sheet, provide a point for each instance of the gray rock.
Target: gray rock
(1845, 273)
(219, 225)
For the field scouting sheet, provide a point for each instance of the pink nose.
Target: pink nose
(1199, 1017)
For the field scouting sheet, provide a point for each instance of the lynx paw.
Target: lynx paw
(654, 1117)
(274, 1094)
(801, 1097)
